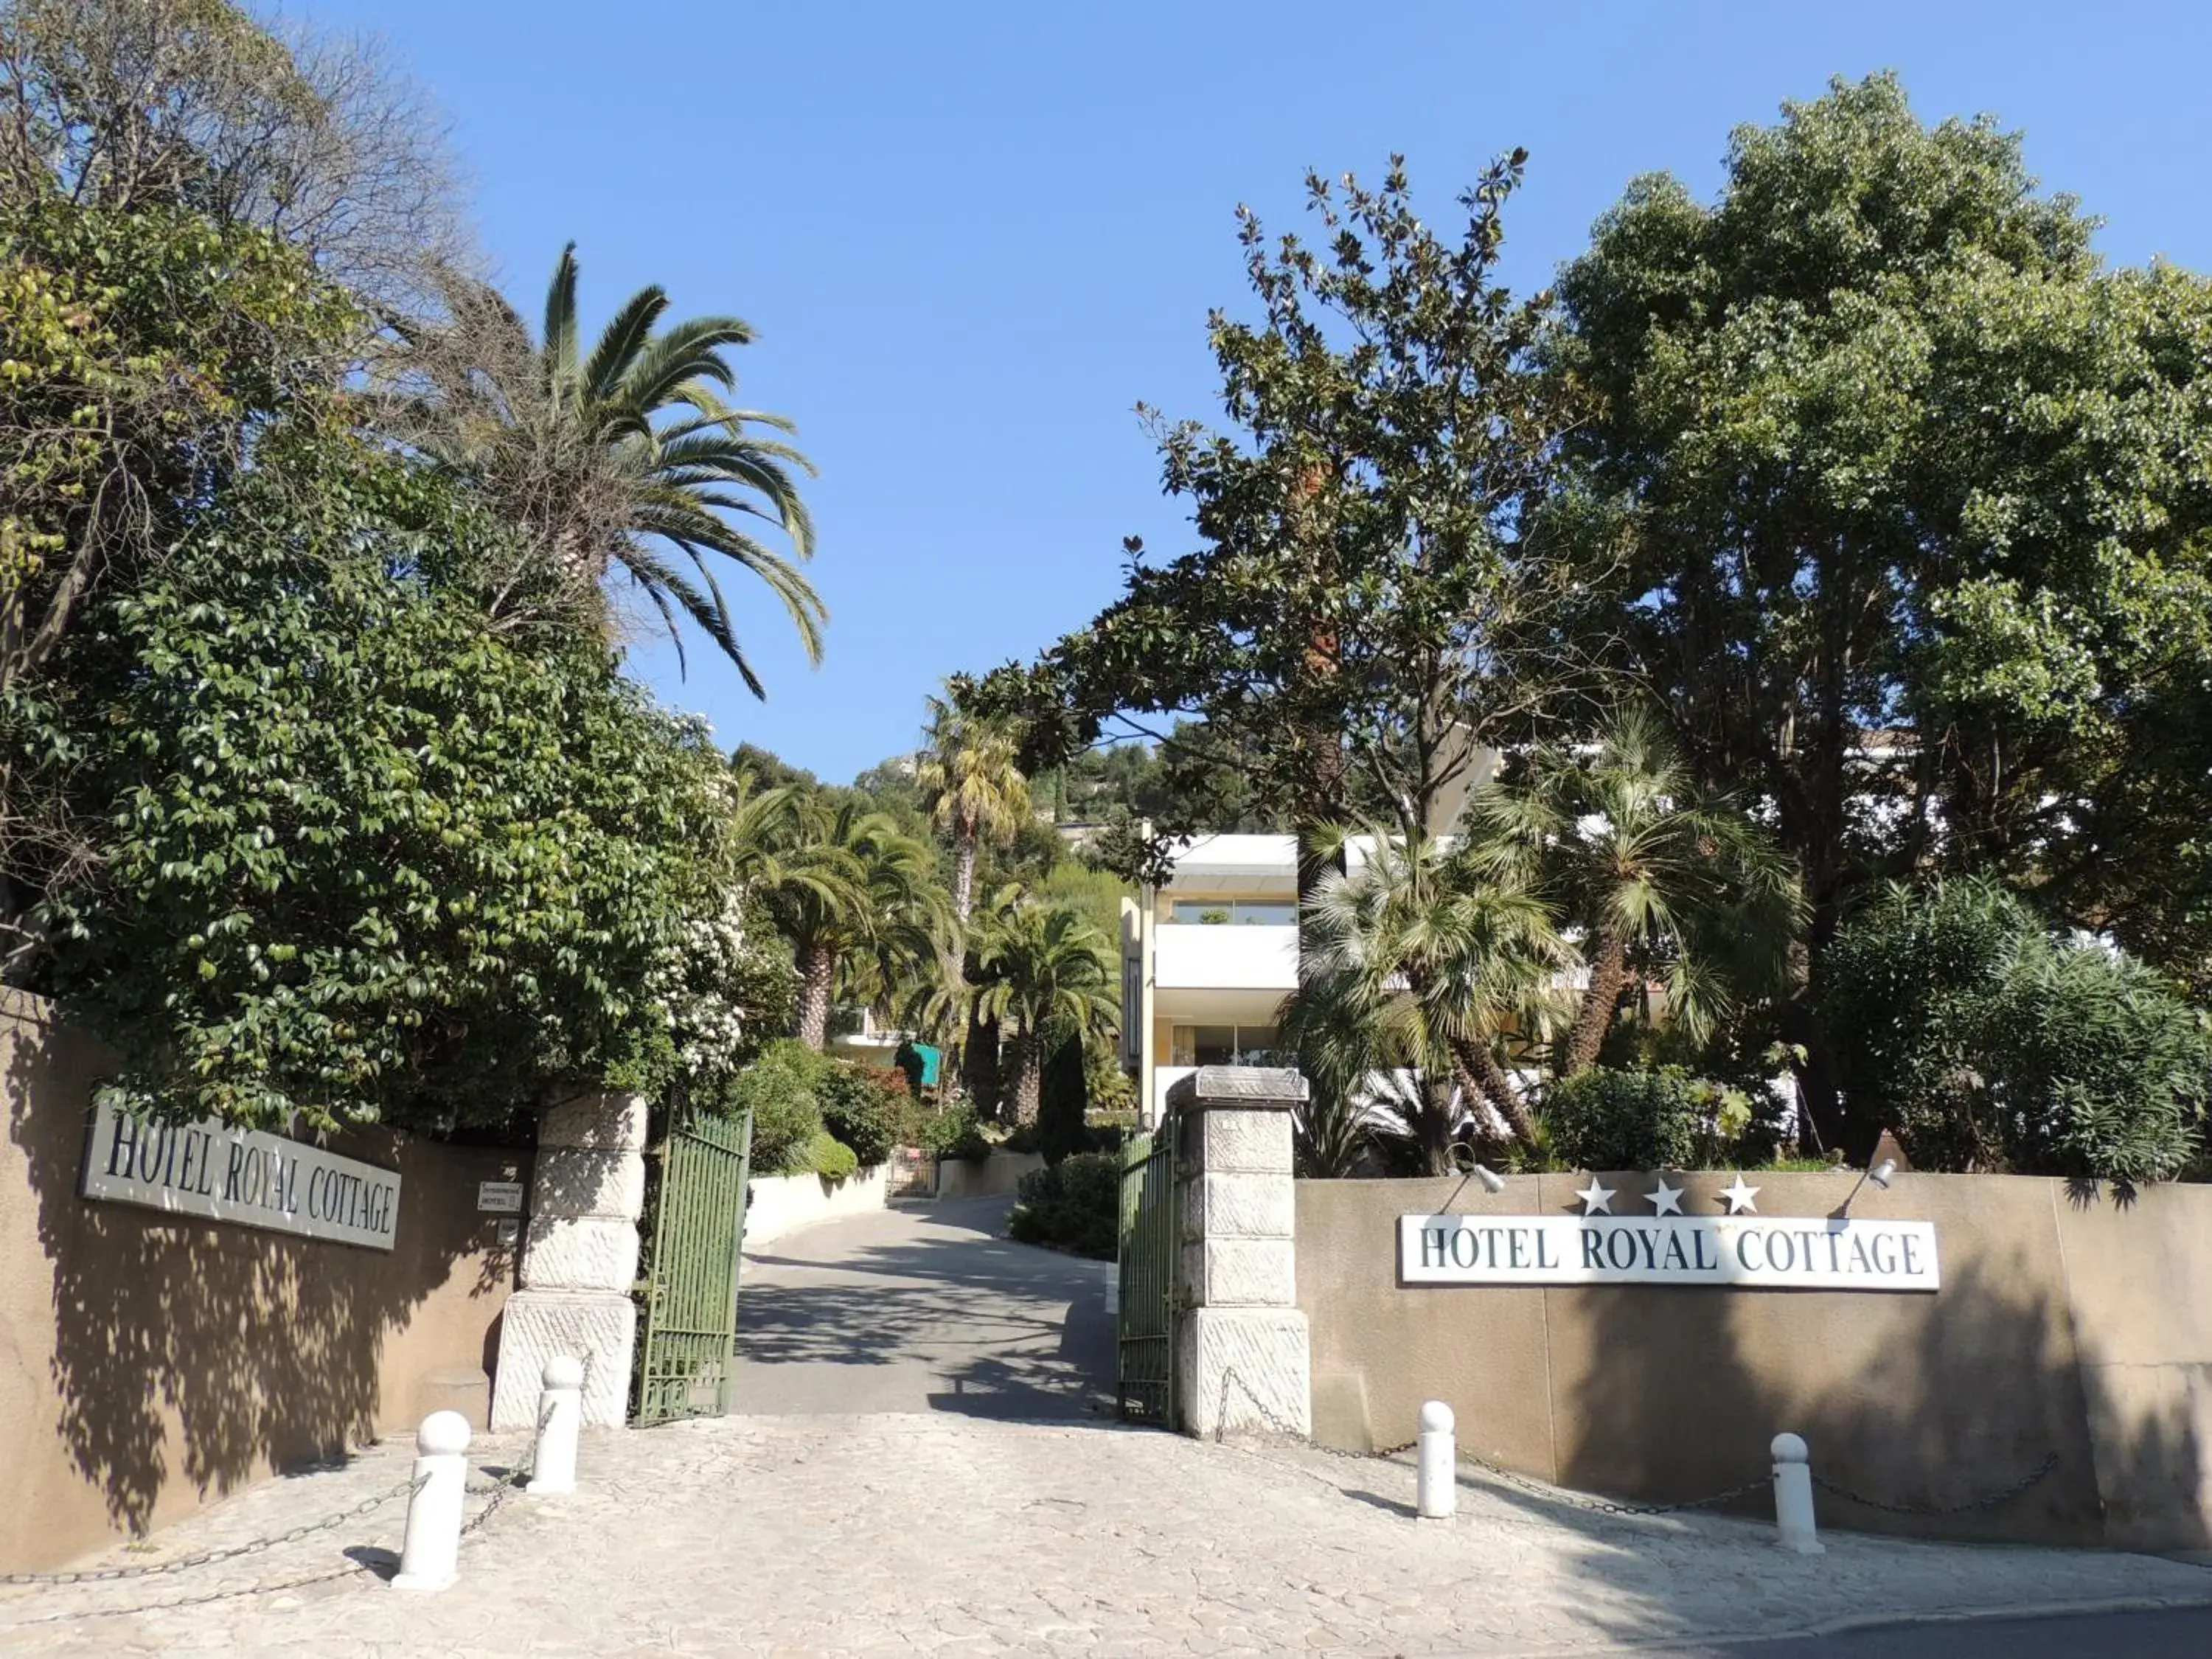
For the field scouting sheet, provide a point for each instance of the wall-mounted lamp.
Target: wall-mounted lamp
(1881, 1174)
(1492, 1180)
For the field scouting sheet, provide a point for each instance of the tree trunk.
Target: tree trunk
(817, 972)
(1026, 1088)
(1434, 1131)
(979, 1065)
(963, 879)
(1608, 971)
(1481, 1076)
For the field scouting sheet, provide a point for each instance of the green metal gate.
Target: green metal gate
(1150, 1221)
(691, 1285)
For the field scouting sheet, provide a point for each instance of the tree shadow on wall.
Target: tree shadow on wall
(1932, 1403)
(1925, 1401)
(261, 1350)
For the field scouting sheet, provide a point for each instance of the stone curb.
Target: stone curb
(1855, 1624)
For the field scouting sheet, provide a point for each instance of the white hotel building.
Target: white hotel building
(1208, 957)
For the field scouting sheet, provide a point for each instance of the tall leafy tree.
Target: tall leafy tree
(1917, 512)
(621, 459)
(1658, 879)
(365, 860)
(1376, 596)
(1043, 970)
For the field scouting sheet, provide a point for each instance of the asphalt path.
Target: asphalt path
(924, 1307)
(2171, 1635)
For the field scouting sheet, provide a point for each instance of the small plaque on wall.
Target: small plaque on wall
(498, 1198)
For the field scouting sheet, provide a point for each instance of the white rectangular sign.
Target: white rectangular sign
(243, 1175)
(1754, 1252)
(498, 1198)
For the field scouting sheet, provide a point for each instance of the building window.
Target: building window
(1234, 913)
(1225, 1045)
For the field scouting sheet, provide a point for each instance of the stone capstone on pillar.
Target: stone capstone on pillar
(579, 1258)
(1243, 1355)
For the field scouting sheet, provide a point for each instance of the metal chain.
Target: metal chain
(504, 1488)
(229, 1553)
(2004, 1495)
(499, 1490)
(1607, 1506)
(237, 1592)
(1535, 1488)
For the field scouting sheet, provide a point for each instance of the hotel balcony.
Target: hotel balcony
(1225, 958)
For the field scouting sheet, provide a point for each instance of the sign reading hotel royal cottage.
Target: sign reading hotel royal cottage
(1750, 1252)
(244, 1177)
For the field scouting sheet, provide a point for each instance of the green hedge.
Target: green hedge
(830, 1158)
(1073, 1205)
(1604, 1119)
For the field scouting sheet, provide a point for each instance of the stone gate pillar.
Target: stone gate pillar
(579, 1262)
(1242, 1360)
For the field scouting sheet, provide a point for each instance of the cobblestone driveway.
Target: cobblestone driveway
(945, 1535)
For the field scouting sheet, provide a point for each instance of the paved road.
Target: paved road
(942, 1534)
(2122, 1635)
(966, 1523)
(923, 1308)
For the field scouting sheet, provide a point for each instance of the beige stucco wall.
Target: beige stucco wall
(776, 1205)
(984, 1177)
(2064, 1324)
(149, 1364)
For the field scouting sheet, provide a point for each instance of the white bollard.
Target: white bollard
(1793, 1497)
(560, 1412)
(431, 1548)
(1439, 1458)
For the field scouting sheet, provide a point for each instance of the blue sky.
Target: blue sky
(972, 236)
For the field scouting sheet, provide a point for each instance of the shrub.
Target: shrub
(1989, 1044)
(1073, 1205)
(1604, 1119)
(830, 1158)
(864, 1106)
(937, 1132)
(779, 1090)
(970, 1144)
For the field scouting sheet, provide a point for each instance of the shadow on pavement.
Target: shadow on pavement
(946, 1314)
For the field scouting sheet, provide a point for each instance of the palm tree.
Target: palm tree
(973, 790)
(623, 459)
(1659, 878)
(1044, 968)
(1424, 962)
(839, 881)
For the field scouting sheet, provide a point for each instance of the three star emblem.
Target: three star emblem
(1666, 1200)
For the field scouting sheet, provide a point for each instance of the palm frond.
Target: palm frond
(560, 335)
(689, 350)
(621, 341)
